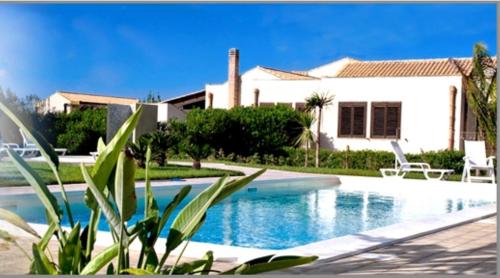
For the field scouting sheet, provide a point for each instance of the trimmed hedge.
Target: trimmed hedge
(242, 131)
(363, 159)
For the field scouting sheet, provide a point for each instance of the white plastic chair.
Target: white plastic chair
(475, 159)
(402, 166)
(30, 147)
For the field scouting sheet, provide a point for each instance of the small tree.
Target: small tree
(306, 136)
(481, 86)
(317, 102)
(196, 138)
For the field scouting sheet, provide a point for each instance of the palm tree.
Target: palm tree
(306, 136)
(481, 86)
(318, 101)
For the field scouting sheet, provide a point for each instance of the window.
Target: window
(352, 119)
(300, 106)
(386, 120)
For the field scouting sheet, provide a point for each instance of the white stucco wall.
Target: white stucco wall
(55, 103)
(168, 111)
(424, 106)
(424, 110)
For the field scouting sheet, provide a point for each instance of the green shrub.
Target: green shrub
(245, 131)
(362, 159)
(79, 131)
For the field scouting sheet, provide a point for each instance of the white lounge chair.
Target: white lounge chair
(475, 159)
(29, 146)
(94, 155)
(402, 166)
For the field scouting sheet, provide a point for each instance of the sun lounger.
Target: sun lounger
(475, 159)
(406, 167)
(94, 155)
(29, 146)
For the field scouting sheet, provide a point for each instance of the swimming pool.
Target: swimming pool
(282, 214)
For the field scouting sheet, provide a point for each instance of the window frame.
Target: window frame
(351, 105)
(385, 105)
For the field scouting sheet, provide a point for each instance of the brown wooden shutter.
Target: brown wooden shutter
(352, 119)
(386, 119)
(378, 121)
(359, 121)
(345, 120)
(392, 121)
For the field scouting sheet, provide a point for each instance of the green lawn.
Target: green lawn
(70, 173)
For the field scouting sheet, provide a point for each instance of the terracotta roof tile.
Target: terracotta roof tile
(287, 75)
(402, 68)
(77, 98)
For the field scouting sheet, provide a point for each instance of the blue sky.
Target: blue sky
(129, 50)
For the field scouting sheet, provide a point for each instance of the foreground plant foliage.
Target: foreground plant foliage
(111, 192)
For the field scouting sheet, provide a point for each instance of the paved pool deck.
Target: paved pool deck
(466, 249)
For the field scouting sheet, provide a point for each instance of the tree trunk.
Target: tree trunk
(307, 154)
(318, 139)
(196, 164)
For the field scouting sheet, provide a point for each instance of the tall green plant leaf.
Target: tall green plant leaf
(100, 145)
(187, 267)
(189, 217)
(150, 206)
(236, 185)
(45, 148)
(107, 158)
(107, 209)
(125, 197)
(93, 226)
(205, 268)
(276, 263)
(42, 263)
(101, 260)
(36, 182)
(47, 236)
(6, 236)
(179, 197)
(46, 151)
(137, 271)
(17, 221)
(69, 254)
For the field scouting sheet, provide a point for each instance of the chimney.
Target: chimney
(234, 78)
(256, 98)
(451, 132)
(210, 100)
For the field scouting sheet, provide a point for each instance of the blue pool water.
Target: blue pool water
(276, 214)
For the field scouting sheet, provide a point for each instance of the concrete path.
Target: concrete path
(76, 159)
(269, 174)
(466, 249)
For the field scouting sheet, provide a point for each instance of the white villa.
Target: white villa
(421, 103)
